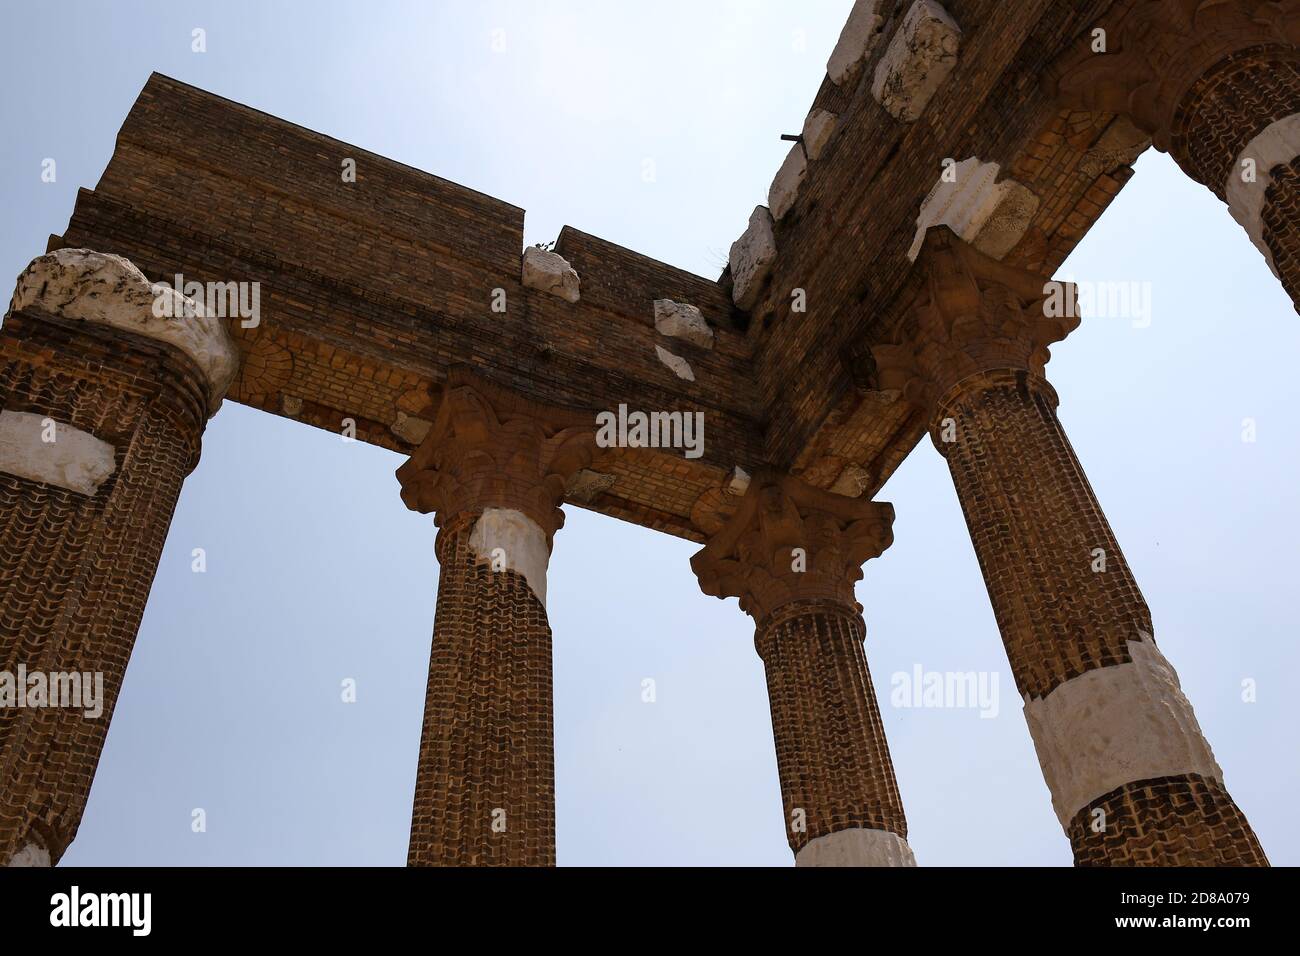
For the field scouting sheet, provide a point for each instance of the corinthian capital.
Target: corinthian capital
(1144, 56)
(489, 447)
(789, 541)
(973, 315)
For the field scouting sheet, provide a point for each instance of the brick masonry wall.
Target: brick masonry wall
(75, 571)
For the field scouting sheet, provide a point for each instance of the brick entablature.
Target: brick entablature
(76, 570)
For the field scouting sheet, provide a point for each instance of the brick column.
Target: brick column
(1217, 86)
(1132, 779)
(792, 554)
(124, 394)
(492, 469)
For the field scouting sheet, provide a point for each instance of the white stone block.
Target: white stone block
(852, 482)
(683, 321)
(860, 34)
(1115, 725)
(506, 539)
(785, 186)
(739, 483)
(817, 130)
(751, 258)
(917, 60)
(1277, 145)
(680, 367)
(30, 855)
(990, 215)
(550, 272)
(856, 846)
(75, 460)
(411, 428)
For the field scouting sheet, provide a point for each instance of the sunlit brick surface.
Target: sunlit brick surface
(486, 752)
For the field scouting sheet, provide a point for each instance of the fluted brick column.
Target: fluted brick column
(792, 554)
(1132, 779)
(492, 469)
(124, 394)
(1217, 86)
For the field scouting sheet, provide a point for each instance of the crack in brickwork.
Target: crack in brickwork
(487, 742)
(831, 751)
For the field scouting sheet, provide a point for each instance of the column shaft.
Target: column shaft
(842, 805)
(99, 428)
(485, 788)
(792, 552)
(493, 469)
(1133, 780)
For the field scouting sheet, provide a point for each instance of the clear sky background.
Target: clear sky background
(317, 573)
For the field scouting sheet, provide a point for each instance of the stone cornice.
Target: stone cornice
(789, 541)
(1155, 51)
(491, 448)
(974, 315)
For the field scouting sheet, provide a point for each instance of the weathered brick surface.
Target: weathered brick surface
(831, 751)
(1186, 820)
(1035, 525)
(1281, 222)
(486, 751)
(75, 571)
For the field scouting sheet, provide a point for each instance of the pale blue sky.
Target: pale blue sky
(317, 573)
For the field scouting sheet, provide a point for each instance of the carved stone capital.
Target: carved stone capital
(1155, 50)
(82, 285)
(790, 541)
(974, 315)
(491, 448)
